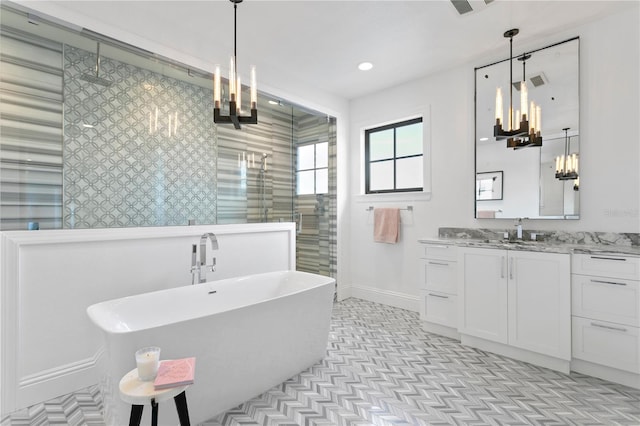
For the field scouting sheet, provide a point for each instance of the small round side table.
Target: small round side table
(138, 393)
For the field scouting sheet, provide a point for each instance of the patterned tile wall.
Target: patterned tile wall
(150, 157)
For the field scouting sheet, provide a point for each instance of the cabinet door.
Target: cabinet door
(540, 302)
(482, 293)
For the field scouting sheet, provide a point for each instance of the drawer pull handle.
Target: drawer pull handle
(511, 268)
(438, 295)
(437, 246)
(609, 327)
(609, 258)
(608, 282)
(438, 263)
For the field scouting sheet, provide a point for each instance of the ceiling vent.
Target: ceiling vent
(536, 80)
(466, 6)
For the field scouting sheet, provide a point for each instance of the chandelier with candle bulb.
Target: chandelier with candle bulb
(235, 88)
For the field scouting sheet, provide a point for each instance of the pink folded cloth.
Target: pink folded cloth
(386, 225)
(486, 214)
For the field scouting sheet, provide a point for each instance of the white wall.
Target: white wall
(609, 154)
(520, 179)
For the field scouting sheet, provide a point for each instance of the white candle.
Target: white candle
(254, 89)
(216, 87)
(147, 360)
(532, 118)
(524, 98)
(499, 105)
(238, 96)
(232, 80)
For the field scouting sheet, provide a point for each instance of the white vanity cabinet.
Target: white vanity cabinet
(482, 286)
(606, 315)
(438, 288)
(520, 300)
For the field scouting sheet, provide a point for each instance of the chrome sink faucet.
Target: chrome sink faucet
(519, 229)
(197, 266)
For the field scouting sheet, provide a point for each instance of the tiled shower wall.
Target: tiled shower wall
(315, 248)
(30, 131)
(140, 152)
(250, 188)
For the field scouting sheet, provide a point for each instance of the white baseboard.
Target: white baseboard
(607, 373)
(386, 297)
(442, 330)
(534, 358)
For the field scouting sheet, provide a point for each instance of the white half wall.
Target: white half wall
(609, 178)
(49, 278)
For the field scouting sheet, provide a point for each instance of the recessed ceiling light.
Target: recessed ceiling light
(484, 139)
(273, 102)
(365, 66)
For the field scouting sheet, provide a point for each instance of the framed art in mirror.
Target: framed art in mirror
(489, 186)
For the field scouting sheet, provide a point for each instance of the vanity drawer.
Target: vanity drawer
(606, 299)
(438, 275)
(439, 308)
(606, 265)
(438, 251)
(606, 343)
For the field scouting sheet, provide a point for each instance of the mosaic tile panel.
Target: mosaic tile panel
(139, 152)
(381, 368)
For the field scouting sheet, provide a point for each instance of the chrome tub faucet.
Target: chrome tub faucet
(199, 268)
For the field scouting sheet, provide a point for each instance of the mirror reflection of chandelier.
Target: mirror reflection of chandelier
(528, 118)
(567, 163)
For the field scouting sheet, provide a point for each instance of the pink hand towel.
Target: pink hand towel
(386, 225)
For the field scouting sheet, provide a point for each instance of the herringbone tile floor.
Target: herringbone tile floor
(382, 369)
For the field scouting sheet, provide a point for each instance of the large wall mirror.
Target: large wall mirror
(537, 182)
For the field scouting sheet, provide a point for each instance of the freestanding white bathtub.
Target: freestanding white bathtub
(248, 334)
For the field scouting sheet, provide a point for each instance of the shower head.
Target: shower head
(95, 78)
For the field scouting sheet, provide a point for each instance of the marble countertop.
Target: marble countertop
(539, 246)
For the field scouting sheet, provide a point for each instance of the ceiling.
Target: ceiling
(320, 43)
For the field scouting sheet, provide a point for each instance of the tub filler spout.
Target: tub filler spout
(198, 275)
